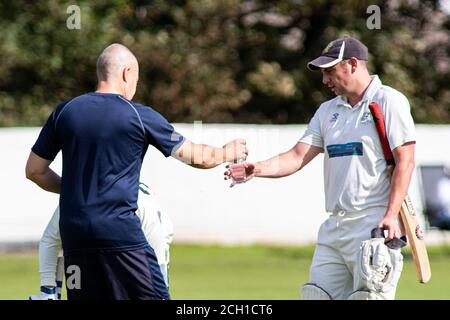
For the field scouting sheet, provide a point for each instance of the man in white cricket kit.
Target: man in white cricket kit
(359, 194)
(156, 226)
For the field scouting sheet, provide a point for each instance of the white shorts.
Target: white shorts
(336, 253)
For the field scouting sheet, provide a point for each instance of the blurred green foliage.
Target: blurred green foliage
(219, 60)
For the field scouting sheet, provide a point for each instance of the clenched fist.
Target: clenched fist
(235, 150)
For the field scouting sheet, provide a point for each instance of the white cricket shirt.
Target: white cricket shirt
(354, 166)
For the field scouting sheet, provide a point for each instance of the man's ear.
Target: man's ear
(126, 74)
(353, 63)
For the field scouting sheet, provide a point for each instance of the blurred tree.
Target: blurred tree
(219, 60)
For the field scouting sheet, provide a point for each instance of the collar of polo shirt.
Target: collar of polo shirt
(371, 90)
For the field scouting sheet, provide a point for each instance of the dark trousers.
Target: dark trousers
(115, 276)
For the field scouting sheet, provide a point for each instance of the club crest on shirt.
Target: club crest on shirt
(334, 117)
(366, 117)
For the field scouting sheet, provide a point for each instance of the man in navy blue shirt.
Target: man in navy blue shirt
(104, 136)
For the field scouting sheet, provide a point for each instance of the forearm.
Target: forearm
(400, 181)
(288, 162)
(47, 180)
(279, 166)
(206, 156)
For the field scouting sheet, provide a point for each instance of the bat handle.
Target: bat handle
(377, 233)
(395, 243)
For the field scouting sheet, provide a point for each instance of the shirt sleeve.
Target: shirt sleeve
(159, 131)
(313, 133)
(399, 122)
(47, 145)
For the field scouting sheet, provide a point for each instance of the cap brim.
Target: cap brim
(322, 62)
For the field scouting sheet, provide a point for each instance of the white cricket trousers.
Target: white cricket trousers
(336, 253)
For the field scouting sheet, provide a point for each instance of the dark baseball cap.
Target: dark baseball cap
(338, 50)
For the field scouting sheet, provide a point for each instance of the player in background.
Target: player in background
(156, 226)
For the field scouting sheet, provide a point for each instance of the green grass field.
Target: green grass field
(256, 272)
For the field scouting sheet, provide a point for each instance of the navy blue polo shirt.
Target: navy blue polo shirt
(103, 138)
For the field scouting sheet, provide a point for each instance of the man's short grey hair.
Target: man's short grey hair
(363, 63)
(113, 59)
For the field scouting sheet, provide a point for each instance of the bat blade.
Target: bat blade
(416, 240)
(408, 219)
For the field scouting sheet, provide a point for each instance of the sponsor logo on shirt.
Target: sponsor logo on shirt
(366, 118)
(334, 117)
(347, 149)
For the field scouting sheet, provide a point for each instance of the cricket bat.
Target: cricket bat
(408, 219)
